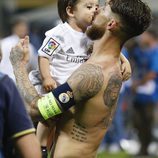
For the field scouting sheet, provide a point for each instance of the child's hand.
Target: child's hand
(126, 70)
(49, 84)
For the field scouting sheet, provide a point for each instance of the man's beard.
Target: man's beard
(95, 32)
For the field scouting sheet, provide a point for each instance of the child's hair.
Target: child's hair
(62, 5)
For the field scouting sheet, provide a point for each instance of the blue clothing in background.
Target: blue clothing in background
(14, 120)
(147, 61)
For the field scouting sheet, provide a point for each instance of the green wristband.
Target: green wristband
(48, 106)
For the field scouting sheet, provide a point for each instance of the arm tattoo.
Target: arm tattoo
(86, 82)
(79, 132)
(112, 90)
(26, 89)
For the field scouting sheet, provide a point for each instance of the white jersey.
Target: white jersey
(6, 45)
(66, 50)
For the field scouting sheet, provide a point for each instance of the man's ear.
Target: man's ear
(112, 25)
(69, 11)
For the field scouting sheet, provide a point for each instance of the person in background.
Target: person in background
(19, 30)
(15, 124)
(145, 86)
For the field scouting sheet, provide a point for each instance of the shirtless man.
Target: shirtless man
(93, 88)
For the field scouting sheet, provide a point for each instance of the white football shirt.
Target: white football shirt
(66, 50)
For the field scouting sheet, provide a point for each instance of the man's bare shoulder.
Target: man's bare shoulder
(86, 81)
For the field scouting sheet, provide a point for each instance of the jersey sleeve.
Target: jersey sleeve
(18, 123)
(49, 47)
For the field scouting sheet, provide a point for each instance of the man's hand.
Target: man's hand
(20, 53)
(19, 57)
(126, 71)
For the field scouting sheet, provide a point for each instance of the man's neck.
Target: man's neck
(107, 45)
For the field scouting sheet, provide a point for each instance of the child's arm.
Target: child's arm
(125, 68)
(48, 82)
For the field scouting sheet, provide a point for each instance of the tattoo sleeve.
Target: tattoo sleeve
(86, 82)
(26, 89)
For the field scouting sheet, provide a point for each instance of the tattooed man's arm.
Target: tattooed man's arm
(19, 57)
(84, 82)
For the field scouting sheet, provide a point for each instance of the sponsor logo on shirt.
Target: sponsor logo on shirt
(77, 59)
(50, 46)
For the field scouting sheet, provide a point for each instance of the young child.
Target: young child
(65, 48)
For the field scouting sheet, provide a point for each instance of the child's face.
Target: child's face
(85, 11)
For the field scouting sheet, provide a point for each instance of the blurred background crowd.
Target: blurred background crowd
(135, 127)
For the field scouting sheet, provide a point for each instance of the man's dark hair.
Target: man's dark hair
(62, 5)
(135, 16)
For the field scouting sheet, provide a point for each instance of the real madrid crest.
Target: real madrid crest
(64, 97)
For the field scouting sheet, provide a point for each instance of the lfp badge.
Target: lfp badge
(50, 46)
